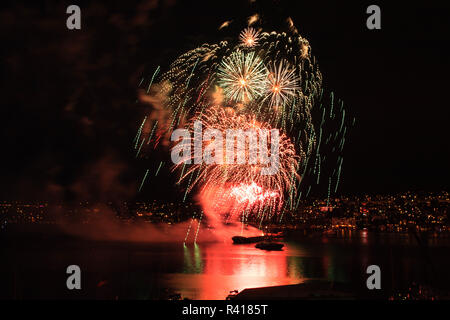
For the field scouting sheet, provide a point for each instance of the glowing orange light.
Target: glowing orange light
(252, 193)
(242, 82)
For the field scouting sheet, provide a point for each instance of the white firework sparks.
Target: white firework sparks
(242, 76)
(282, 84)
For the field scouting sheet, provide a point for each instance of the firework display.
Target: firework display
(195, 152)
(235, 177)
(260, 81)
(242, 76)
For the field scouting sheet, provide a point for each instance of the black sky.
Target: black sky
(68, 97)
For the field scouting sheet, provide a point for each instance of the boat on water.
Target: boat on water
(241, 240)
(270, 246)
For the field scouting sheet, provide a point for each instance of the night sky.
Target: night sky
(68, 98)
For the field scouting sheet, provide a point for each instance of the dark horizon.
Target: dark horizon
(68, 102)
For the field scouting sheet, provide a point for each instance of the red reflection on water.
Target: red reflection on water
(228, 267)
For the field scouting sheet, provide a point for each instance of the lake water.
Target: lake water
(37, 269)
